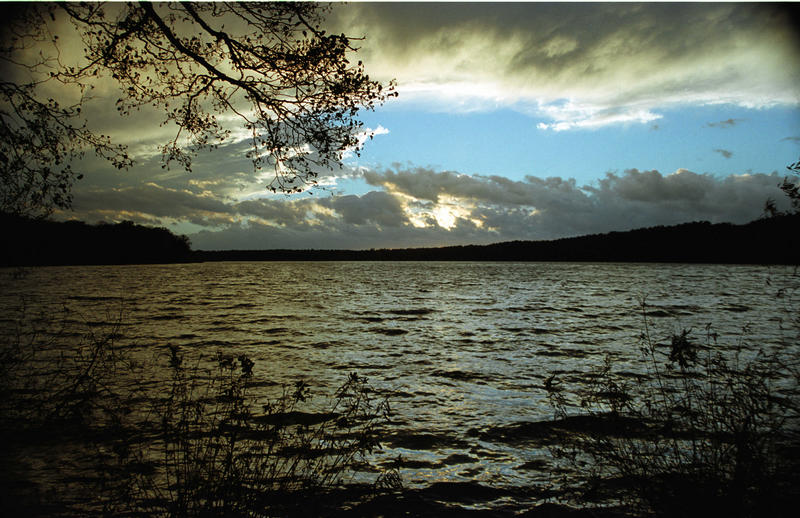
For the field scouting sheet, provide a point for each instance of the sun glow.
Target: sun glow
(449, 209)
(444, 217)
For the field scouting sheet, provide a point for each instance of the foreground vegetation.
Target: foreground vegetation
(158, 435)
(706, 429)
(92, 426)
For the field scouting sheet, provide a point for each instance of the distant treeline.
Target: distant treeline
(764, 241)
(30, 242)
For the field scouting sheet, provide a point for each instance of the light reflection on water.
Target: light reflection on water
(455, 346)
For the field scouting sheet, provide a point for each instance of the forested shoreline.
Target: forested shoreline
(42, 242)
(38, 242)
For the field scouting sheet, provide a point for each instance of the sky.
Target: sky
(513, 121)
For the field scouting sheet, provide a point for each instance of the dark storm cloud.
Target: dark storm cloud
(223, 170)
(685, 196)
(724, 152)
(674, 30)
(613, 62)
(618, 201)
(259, 236)
(375, 207)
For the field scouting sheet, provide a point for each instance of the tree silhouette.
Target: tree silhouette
(792, 190)
(270, 66)
(792, 187)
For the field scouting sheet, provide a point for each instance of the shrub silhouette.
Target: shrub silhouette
(149, 435)
(219, 456)
(716, 430)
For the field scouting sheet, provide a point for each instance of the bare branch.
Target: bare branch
(288, 82)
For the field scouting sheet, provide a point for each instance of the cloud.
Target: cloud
(362, 137)
(150, 203)
(427, 184)
(283, 213)
(255, 235)
(422, 207)
(376, 207)
(555, 207)
(579, 66)
(650, 197)
(724, 152)
(593, 117)
(729, 123)
(791, 139)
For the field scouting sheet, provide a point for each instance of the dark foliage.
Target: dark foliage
(715, 430)
(790, 187)
(38, 242)
(118, 430)
(268, 65)
(214, 453)
(41, 242)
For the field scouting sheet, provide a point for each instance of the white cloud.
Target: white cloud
(362, 137)
(569, 116)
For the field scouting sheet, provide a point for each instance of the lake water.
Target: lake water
(458, 348)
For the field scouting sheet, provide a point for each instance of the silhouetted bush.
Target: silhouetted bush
(214, 454)
(57, 368)
(146, 435)
(706, 431)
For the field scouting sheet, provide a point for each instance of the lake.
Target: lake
(458, 348)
